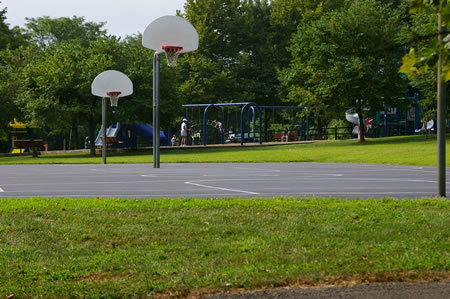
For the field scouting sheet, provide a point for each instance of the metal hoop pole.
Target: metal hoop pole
(156, 139)
(104, 130)
(441, 115)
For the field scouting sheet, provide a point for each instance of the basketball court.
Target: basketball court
(213, 180)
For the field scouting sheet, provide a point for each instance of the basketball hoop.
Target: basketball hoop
(172, 53)
(114, 96)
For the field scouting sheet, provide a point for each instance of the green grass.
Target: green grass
(410, 150)
(136, 248)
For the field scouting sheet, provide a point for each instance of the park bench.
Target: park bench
(23, 143)
(292, 136)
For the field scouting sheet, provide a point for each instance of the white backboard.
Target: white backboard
(170, 31)
(111, 81)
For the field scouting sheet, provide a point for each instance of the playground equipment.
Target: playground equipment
(253, 111)
(392, 120)
(20, 141)
(110, 84)
(126, 136)
(111, 135)
(426, 127)
(354, 119)
(17, 131)
(249, 106)
(173, 35)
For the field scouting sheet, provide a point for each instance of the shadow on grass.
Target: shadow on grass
(404, 139)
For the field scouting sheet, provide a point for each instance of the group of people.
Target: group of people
(218, 125)
(184, 131)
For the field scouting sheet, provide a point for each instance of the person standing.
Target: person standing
(183, 132)
(285, 135)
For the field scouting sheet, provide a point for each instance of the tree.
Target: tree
(63, 43)
(287, 15)
(45, 31)
(14, 85)
(417, 34)
(137, 63)
(425, 56)
(235, 62)
(10, 37)
(347, 58)
(207, 73)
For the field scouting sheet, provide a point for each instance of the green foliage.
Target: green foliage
(10, 37)
(341, 126)
(346, 58)
(235, 60)
(169, 247)
(45, 31)
(287, 15)
(423, 57)
(419, 33)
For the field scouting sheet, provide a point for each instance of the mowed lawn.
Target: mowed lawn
(122, 248)
(408, 150)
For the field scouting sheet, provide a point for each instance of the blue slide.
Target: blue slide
(147, 131)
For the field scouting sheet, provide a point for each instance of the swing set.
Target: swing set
(244, 127)
(203, 123)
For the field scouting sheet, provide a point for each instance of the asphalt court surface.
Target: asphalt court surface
(217, 180)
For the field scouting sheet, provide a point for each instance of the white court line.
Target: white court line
(1, 190)
(424, 181)
(391, 180)
(244, 175)
(219, 188)
(258, 169)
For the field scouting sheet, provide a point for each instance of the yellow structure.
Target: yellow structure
(17, 128)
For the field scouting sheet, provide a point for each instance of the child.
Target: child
(217, 124)
(173, 141)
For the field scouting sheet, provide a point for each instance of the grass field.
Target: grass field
(136, 248)
(409, 150)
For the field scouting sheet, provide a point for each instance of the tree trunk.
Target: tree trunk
(426, 129)
(319, 128)
(33, 148)
(76, 144)
(91, 132)
(362, 128)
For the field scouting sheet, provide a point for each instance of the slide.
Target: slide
(354, 119)
(147, 131)
(111, 131)
(430, 126)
